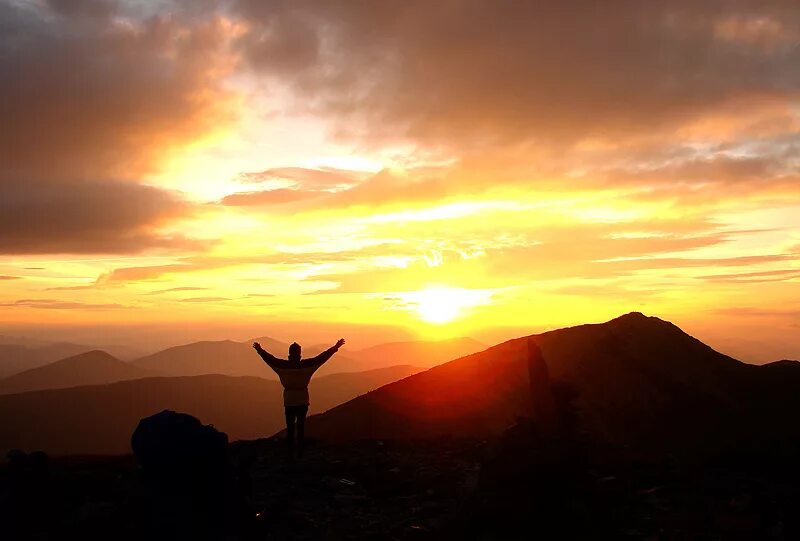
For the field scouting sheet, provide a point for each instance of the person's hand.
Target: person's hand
(340, 343)
(256, 346)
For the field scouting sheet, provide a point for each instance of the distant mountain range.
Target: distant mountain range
(99, 419)
(218, 357)
(90, 368)
(639, 381)
(18, 357)
(239, 359)
(60, 365)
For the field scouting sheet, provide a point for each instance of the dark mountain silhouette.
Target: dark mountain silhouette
(90, 368)
(640, 381)
(420, 353)
(99, 419)
(795, 365)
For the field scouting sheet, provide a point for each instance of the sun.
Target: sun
(441, 304)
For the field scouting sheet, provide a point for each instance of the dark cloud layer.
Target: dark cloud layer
(85, 217)
(96, 90)
(90, 93)
(478, 72)
(525, 93)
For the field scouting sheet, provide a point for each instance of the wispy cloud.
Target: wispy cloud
(52, 304)
(755, 277)
(176, 289)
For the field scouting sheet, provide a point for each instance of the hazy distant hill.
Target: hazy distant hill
(219, 357)
(99, 419)
(239, 359)
(15, 358)
(18, 357)
(230, 358)
(420, 353)
(640, 380)
(90, 368)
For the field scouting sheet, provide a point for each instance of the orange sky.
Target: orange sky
(393, 170)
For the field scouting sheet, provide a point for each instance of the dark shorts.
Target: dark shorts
(296, 411)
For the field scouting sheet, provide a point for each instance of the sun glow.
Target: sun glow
(440, 304)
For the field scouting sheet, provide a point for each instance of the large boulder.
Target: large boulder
(170, 445)
(184, 467)
(177, 449)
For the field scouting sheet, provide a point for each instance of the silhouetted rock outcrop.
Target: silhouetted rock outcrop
(184, 466)
(544, 412)
(170, 444)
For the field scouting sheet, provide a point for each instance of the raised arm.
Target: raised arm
(320, 359)
(271, 360)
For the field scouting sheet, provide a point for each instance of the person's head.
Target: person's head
(294, 352)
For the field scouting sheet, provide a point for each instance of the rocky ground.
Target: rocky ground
(366, 490)
(433, 489)
(362, 490)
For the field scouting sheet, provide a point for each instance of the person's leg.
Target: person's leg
(301, 428)
(290, 417)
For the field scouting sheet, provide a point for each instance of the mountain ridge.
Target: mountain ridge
(99, 419)
(639, 379)
(91, 367)
(238, 358)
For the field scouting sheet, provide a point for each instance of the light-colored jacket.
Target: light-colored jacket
(295, 375)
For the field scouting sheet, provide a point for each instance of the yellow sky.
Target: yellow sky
(438, 187)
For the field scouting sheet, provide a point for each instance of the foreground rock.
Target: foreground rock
(184, 466)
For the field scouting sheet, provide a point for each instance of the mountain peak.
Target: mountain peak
(634, 316)
(784, 363)
(633, 363)
(639, 320)
(95, 354)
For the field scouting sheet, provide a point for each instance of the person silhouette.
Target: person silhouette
(295, 374)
